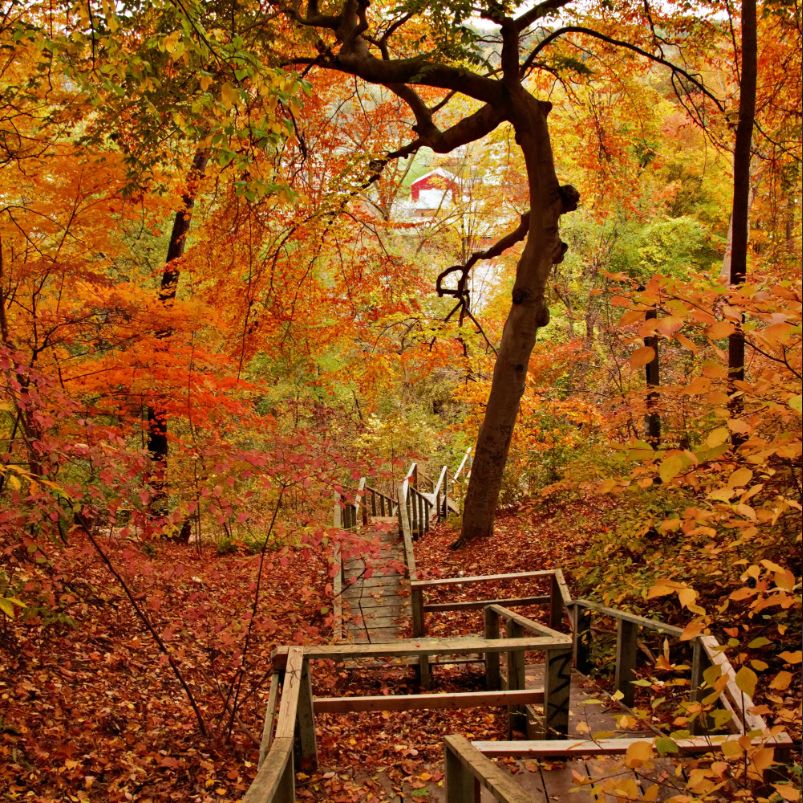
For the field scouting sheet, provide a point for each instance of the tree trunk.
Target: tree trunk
(652, 374)
(741, 194)
(157, 418)
(528, 312)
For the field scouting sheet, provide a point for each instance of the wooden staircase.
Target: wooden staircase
(377, 593)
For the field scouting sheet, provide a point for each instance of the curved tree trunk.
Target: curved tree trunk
(527, 314)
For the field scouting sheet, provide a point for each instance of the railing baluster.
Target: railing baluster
(557, 687)
(626, 636)
(517, 715)
(492, 676)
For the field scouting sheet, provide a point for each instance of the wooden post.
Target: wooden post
(338, 511)
(626, 637)
(517, 715)
(557, 686)
(460, 787)
(493, 680)
(582, 638)
(555, 606)
(305, 722)
(270, 716)
(424, 676)
(286, 793)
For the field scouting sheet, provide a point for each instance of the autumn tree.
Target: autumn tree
(427, 56)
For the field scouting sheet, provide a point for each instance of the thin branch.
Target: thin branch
(143, 617)
(627, 46)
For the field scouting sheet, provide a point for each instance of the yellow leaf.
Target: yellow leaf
(638, 754)
(762, 758)
(663, 587)
(721, 494)
(229, 95)
(740, 478)
(651, 793)
(746, 680)
(692, 629)
(687, 596)
(777, 332)
(781, 681)
(717, 437)
(732, 749)
(642, 356)
(719, 330)
(787, 791)
(672, 466)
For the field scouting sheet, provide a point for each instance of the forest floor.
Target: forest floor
(90, 710)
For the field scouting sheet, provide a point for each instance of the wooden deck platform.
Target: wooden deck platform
(376, 595)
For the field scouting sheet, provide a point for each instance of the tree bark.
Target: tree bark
(741, 194)
(652, 375)
(156, 414)
(527, 314)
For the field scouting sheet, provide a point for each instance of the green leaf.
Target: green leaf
(796, 403)
(666, 746)
(746, 680)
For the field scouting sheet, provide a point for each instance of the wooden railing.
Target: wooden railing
(556, 600)
(705, 651)
(275, 779)
(468, 764)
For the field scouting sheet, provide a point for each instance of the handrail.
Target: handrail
(275, 779)
(465, 766)
(466, 460)
(641, 621)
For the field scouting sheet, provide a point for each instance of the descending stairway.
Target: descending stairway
(376, 593)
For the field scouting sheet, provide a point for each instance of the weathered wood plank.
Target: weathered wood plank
(372, 620)
(460, 645)
(286, 721)
(493, 679)
(481, 603)
(305, 721)
(600, 747)
(413, 702)
(275, 781)
(650, 624)
(557, 688)
(451, 581)
(270, 716)
(525, 623)
(741, 702)
(501, 785)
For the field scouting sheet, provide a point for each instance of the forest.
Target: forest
(466, 295)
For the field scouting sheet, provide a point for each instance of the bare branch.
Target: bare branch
(676, 70)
